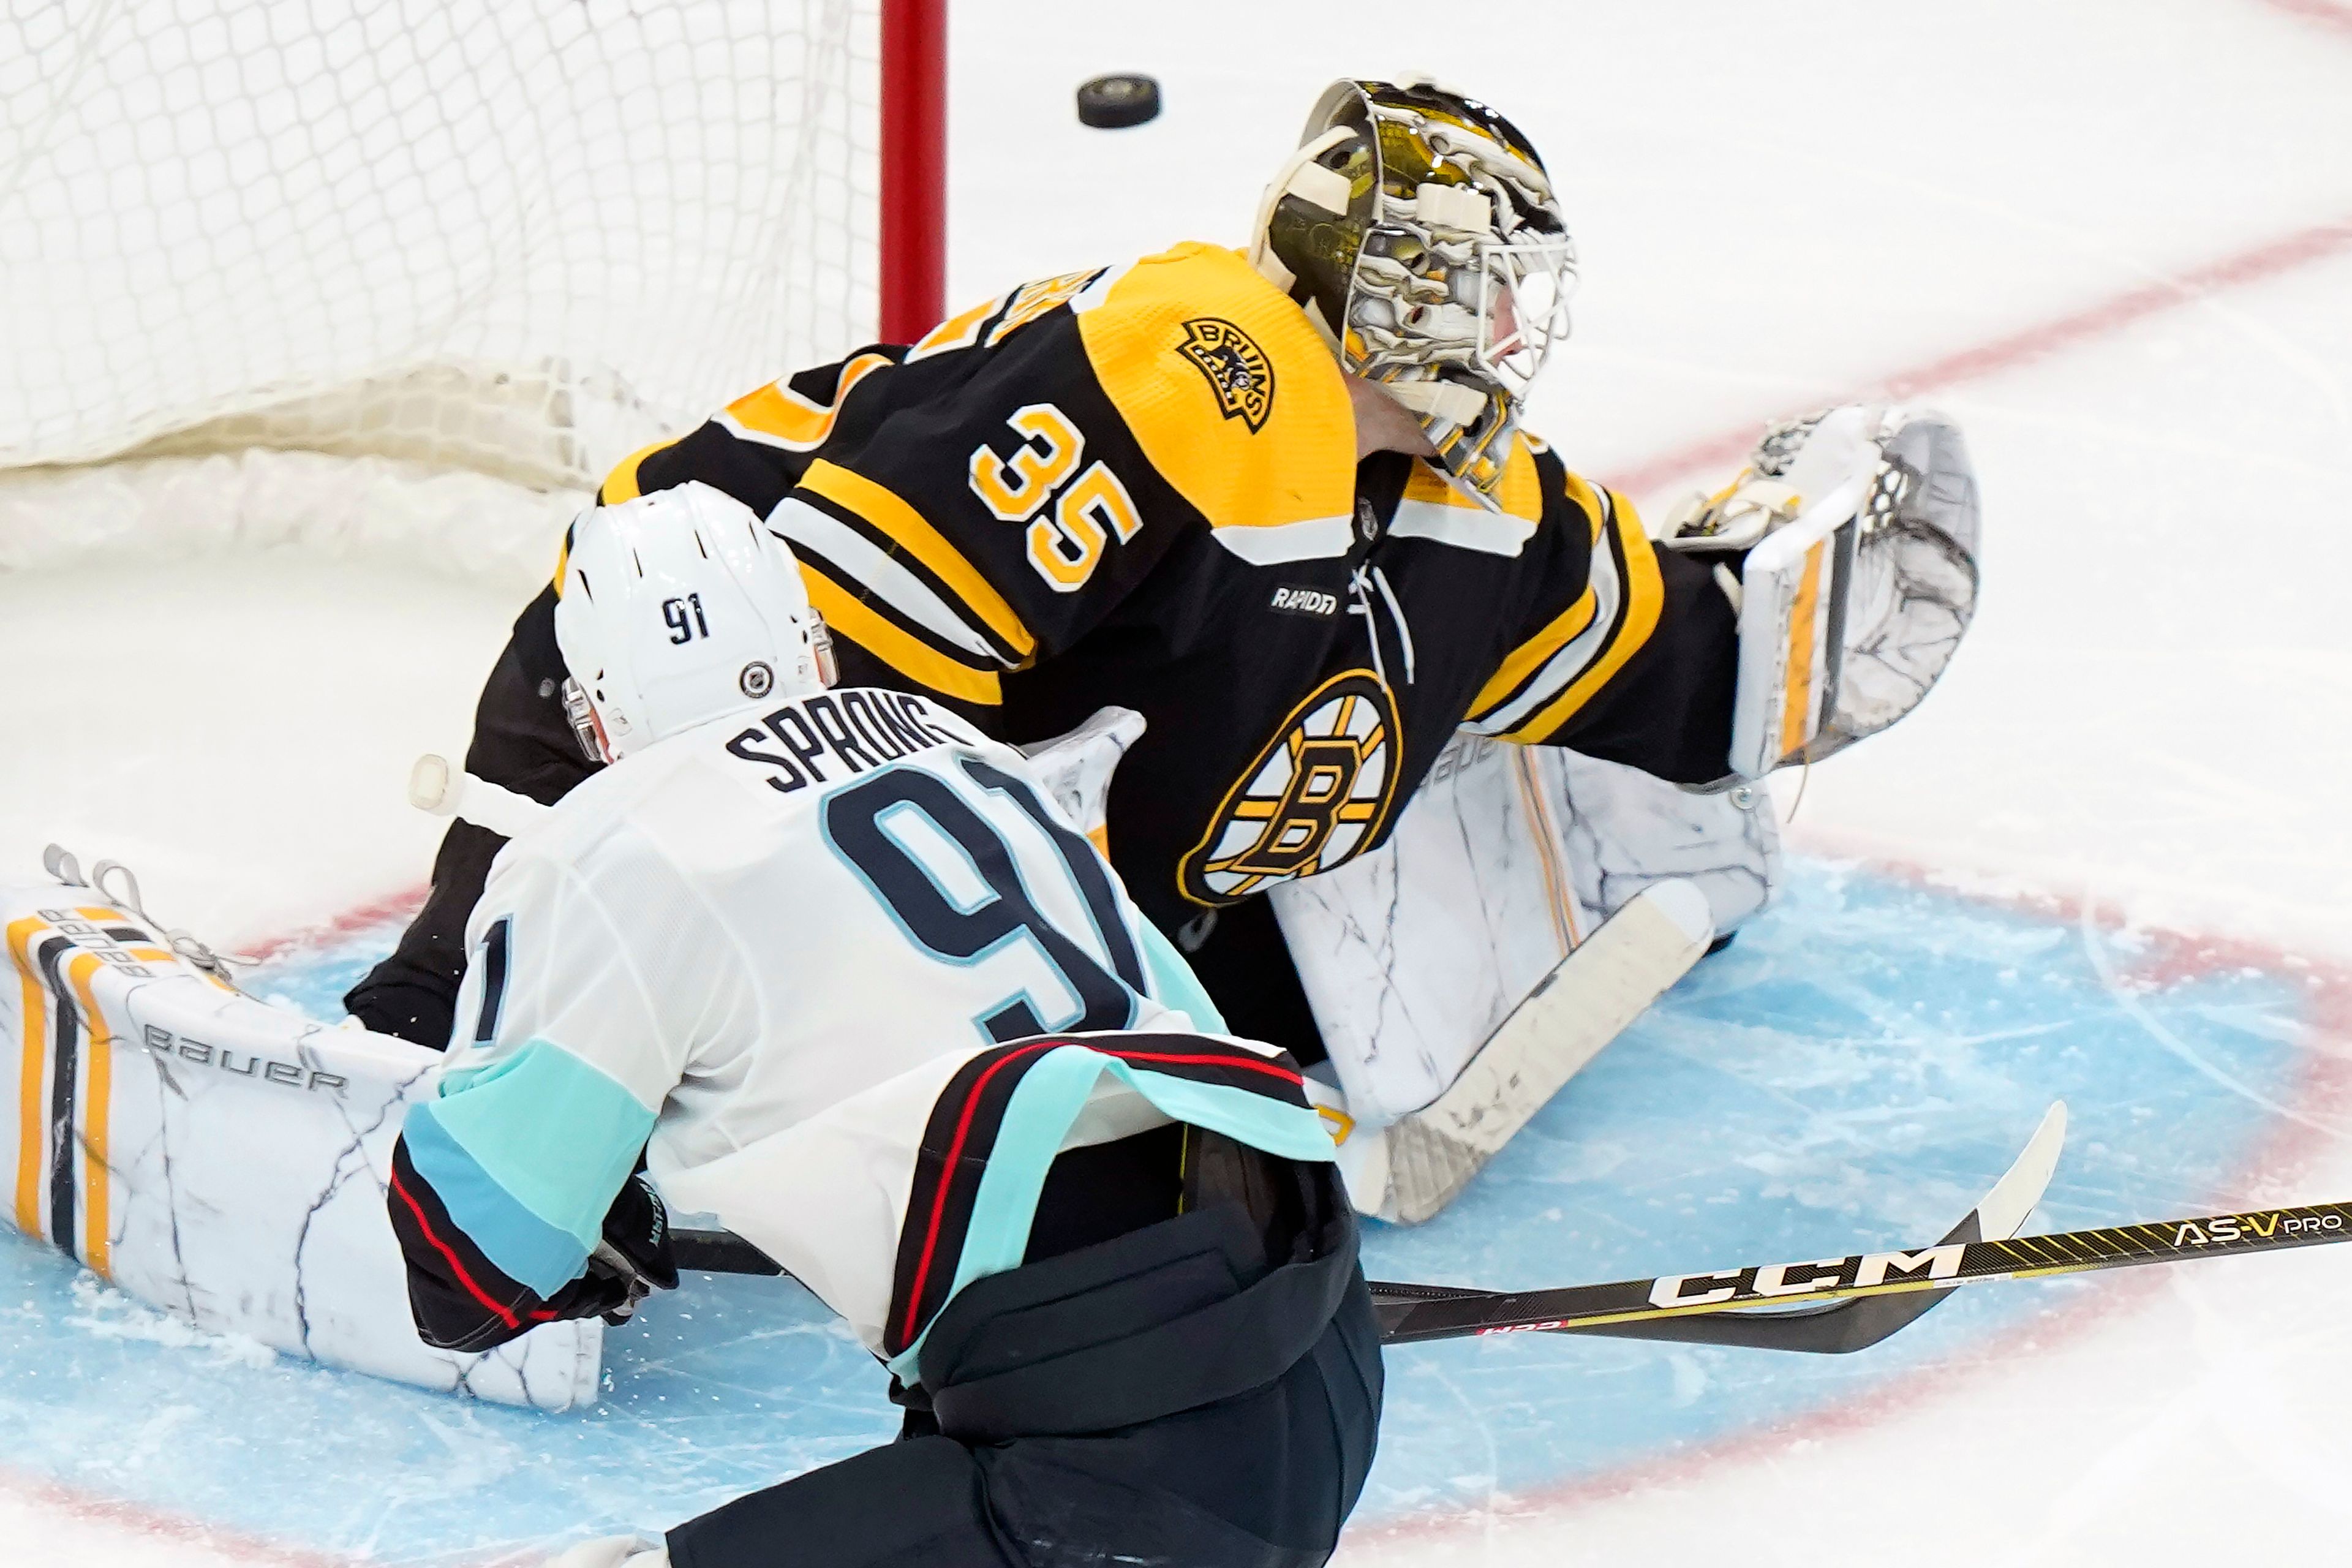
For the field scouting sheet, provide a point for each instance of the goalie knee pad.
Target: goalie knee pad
(1849, 549)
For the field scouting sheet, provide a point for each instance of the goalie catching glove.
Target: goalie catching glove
(1849, 547)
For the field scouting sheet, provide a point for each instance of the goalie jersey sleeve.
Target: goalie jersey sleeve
(1613, 645)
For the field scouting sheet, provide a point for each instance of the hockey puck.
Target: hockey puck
(1110, 103)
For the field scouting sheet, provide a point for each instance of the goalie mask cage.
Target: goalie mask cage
(512, 238)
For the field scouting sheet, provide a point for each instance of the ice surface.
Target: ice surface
(2149, 724)
(1853, 1072)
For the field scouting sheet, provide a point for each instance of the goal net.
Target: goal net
(514, 240)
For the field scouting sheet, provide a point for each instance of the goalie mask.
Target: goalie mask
(675, 609)
(1418, 229)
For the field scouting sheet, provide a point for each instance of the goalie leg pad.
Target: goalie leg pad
(1410, 956)
(222, 1159)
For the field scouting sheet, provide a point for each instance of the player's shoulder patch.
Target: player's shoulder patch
(1232, 396)
(1240, 375)
(1434, 508)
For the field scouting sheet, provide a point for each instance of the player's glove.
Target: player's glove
(632, 1259)
(1848, 548)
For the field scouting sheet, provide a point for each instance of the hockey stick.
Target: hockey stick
(1582, 1308)
(719, 1252)
(1826, 1328)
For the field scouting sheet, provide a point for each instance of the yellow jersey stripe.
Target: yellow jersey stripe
(1032, 300)
(1520, 495)
(1536, 652)
(1580, 490)
(1645, 598)
(621, 484)
(776, 415)
(904, 526)
(1532, 655)
(31, 1070)
(914, 660)
(97, 1113)
(958, 331)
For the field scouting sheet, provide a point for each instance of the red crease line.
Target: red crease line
(2323, 1085)
(2261, 262)
(160, 1524)
(374, 913)
(2326, 12)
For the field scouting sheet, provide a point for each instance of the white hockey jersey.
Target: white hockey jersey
(850, 979)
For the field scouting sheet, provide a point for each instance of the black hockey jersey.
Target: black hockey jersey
(1138, 485)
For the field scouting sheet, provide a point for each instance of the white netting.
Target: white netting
(522, 237)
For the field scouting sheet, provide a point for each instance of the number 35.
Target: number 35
(1068, 546)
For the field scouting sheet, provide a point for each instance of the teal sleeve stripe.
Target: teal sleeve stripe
(556, 1134)
(1039, 1116)
(1037, 1119)
(1174, 985)
(1293, 1131)
(525, 1248)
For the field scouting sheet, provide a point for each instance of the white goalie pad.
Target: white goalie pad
(1506, 859)
(1848, 613)
(225, 1160)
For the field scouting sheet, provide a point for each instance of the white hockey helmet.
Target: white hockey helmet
(676, 607)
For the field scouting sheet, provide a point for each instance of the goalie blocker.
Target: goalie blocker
(1849, 549)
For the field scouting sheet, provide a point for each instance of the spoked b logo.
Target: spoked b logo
(1316, 795)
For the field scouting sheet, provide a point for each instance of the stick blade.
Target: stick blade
(1841, 1328)
(2005, 1209)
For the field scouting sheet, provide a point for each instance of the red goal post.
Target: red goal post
(914, 247)
(515, 238)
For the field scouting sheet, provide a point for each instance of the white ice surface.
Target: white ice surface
(1773, 203)
(238, 731)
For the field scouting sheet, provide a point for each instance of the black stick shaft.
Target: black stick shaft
(1437, 1317)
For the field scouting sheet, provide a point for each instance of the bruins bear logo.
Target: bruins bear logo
(1318, 794)
(1238, 371)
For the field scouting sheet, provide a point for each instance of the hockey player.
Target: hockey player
(1279, 502)
(829, 964)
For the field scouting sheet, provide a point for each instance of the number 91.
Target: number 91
(681, 630)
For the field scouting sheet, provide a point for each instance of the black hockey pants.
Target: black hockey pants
(1164, 1398)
